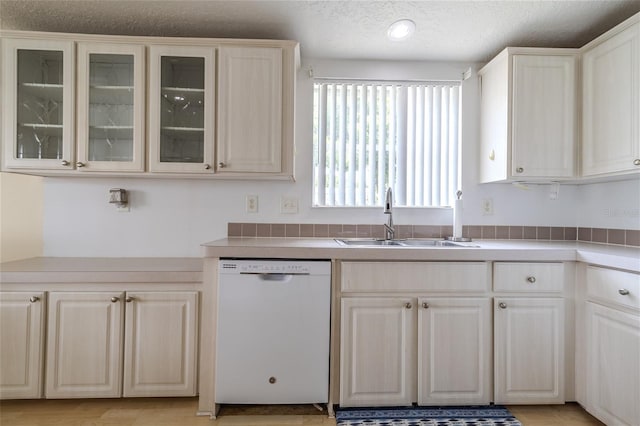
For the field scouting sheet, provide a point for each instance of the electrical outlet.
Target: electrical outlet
(289, 205)
(487, 206)
(252, 204)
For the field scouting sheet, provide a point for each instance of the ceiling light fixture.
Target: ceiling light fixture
(401, 29)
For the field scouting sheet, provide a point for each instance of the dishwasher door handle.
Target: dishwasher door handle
(274, 276)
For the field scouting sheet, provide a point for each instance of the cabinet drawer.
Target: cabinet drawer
(528, 277)
(456, 277)
(612, 286)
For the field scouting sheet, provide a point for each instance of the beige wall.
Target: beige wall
(21, 214)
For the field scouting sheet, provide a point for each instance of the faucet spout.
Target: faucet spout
(388, 209)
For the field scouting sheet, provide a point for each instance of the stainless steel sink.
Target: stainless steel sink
(372, 242)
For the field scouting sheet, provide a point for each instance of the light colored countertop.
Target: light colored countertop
(102, 270)
(189, 270)
(490, 250)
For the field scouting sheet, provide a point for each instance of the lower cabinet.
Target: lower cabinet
(377, 357)
(454, 351)
(384, 356)
(21, 344)
(612, 345)
(161, 339)
(528, 350)
(399, 345)
(112, 344)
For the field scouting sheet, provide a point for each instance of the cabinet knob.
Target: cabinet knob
(80, 164)
(623, 292)
(222, 165)
(636, 162)
(519, 170)
(531, 279)
(272, 380)
(64, 163)
(502, 305)
(207, 166)
(425, 305)
(34, 299)
(114, 299)
(129, 299)
(408, 305)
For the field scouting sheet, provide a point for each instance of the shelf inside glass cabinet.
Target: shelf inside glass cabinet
(51, 92)
(122, 95)
(44, 129)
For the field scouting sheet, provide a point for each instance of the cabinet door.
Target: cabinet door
(84, 345)
(454, 351)
(613, 373)
(250, 110)
(38, 103)
(377, 352)
(21, 344)
(543, 116)
(611, 110)
(528, 351)
(160, 344)
(111, 116)
(181, 109)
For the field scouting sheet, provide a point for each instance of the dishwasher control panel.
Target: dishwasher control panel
(284, 267)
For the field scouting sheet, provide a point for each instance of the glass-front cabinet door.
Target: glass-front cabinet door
(38, 104)
(111, 120)
(181, 109)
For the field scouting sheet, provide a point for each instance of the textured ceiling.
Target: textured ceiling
(446, 30)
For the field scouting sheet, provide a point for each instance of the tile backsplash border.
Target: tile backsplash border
(624, 237)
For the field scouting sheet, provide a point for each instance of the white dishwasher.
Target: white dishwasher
(272, 342)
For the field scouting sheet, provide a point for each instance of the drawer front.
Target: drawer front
(528, 277)
(611, 286)
(466, 277)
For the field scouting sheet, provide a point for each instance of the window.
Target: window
(369, 135)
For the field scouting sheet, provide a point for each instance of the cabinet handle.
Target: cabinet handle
(34, 299)
(207, 166)
(531, 279)
(636, 162)
(425, 305)
(222, 165)
(64, 163)
(519, 170)
(502, 305)
(408, 305)
(114, 299)
(129, 299)
(80, 164)
(623, 291)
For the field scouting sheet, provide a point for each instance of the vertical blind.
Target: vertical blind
(372, 135)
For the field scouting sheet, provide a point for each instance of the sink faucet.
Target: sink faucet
(389, 232)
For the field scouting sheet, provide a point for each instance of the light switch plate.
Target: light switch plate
(289, 205)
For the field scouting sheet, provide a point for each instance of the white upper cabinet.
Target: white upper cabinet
(38, 104)
(111, 101)
(181, 109)
(529, 115)
(611, 102)
(78, 103)
(250, 109)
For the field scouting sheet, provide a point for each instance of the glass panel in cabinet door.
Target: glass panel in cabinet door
(182, 111)
(111, 107)
(39, 104)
